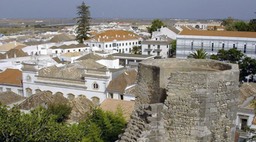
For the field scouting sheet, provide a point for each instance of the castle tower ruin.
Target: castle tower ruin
(184, 101)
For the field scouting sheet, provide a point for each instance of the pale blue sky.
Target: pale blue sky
(193, 9)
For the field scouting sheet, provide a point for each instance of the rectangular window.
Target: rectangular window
(122, 44)
(148, 52)
(212, 46)
(114, 44)
(245, 48)
(234, 46)
(223, 45)
(158, 46)
(106, 46)
(149, 46)
(192, 44)
(158, 53)
(202, 44)
(122, 97)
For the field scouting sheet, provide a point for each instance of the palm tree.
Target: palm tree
(136, 50)
(198, 54)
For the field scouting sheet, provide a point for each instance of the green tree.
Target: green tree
(156, 24)
(136, 50)
(227, 21)
(199, 54)
(240, 26)
(247, 67)
(252, 25)
(83, 21)
(61, 111)
(172, 50)
(232, 55)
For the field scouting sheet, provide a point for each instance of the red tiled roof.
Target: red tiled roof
(11, 77)
(118, 35)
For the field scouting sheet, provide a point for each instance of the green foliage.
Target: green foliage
(172, 50)
(61, 111)
(156, 24)
(252, 25)
(83, 20)
(199, 54)
(136, 50)
(40, 125)
(232, 55)
(232, 25)
(247, 67)
(110, 124)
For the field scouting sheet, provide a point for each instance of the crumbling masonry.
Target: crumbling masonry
(184, 101)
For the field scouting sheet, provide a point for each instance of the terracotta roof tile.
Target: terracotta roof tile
(119, 84)
(10, 97)
(219, 33)
(113, 104)
(118, 35)
(11, 77)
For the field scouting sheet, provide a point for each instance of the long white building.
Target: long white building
(212, 41)
(114, 41)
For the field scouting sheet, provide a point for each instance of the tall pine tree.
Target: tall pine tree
(83, 21)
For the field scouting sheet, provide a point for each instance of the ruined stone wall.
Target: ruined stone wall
(196, 101)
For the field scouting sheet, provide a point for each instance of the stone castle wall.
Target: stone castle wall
(196, 101)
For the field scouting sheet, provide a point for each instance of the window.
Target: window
(149, 46)
(122, 44)
(223, 45)
(212, 46)
(119, 44)
(158, 46)
(167, 46)
(130, 49)
(99, 46)
(109, 45)
(126, 44)
(28, 78)
(130, 43)
(202, 44)
(92, 45)
(106, 46)
(234, 46)
(126, 49)
(95, 86)
(122, 97)
(114, 44)
(192, 44)
(56, 51)
(79, 50)
(111, 95)
(148, 52)
(158, 53)
(68, 51)
(244, 48)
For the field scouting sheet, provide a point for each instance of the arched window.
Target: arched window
(95, 100)
(28, 92)
(71, 96)
(28, 78)
(95, 85)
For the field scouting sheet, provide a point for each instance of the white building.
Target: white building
(114, 40)
(157, 48)
(197, 25)
(212, 41)
(164, 31)
(85, 77)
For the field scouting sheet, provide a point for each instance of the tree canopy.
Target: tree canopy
(247, 65)
(41, 125)
(237, 25)
(83, 21)
(172, 50)
(136, 50)
(156, 24)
